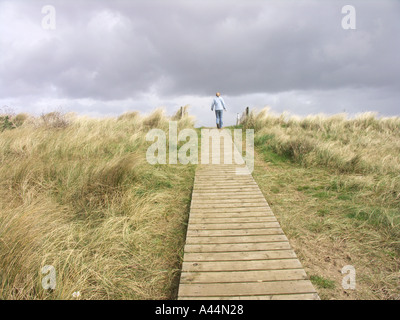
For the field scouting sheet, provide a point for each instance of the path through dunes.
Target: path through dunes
(235, 247)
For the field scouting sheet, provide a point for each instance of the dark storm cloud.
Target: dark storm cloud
(116, 50)
(282, 47)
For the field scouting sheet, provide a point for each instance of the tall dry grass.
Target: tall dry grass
(365, 146)
(334, 183)
(77, 193)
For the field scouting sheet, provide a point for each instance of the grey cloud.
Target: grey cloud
(121, 50)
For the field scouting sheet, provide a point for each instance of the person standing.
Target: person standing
(219, 105)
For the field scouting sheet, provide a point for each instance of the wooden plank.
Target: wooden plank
(225, 188)
(233, 178)
(223, 184)
(262, 209)
(259, 207)
(236, 201)
(223, 173)
(238, 239)
(227, 215)
(298, 296)
(252, 190)
(201, 205)
(217, 168)
(243, 276)
(230, 200)
(223, 213)
(232, 226)
(238, 247)
(237, 289)
(249, 255)
(237, 232)
(239, 265)
(227, 196)
(211, 169)
(231, 220)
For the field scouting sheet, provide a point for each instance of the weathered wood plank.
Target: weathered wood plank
(227, 215)
(262, 209)
(226, 188)
(238, 247)
(231, 220)
(232, 179)
(232, 226)
(248, 206)
(237, 232)
(238, 239)
(225, 185)
(229, 185)
(223, 180)
(227, 196)
(298, 296)
(243, 276)
(235, 256)
(235, 201)
(246, 265)
(235, 289)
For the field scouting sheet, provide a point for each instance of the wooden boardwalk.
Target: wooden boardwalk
(235, 247)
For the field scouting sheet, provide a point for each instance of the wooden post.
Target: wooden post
(242, 118)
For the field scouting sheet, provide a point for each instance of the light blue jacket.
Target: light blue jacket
(218, 103)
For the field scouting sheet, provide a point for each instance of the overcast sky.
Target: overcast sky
(109, 57)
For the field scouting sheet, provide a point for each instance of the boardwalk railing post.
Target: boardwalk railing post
(244, 115)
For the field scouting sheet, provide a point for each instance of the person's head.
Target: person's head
(217, 94)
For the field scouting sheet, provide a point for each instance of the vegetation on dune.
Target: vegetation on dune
(78, 194)
(334, 183)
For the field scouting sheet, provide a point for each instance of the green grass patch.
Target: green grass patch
(322, 195)
(272, 157)
(322, 282)
(323, 212)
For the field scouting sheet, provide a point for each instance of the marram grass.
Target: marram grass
(78, 194)
(334, 184)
